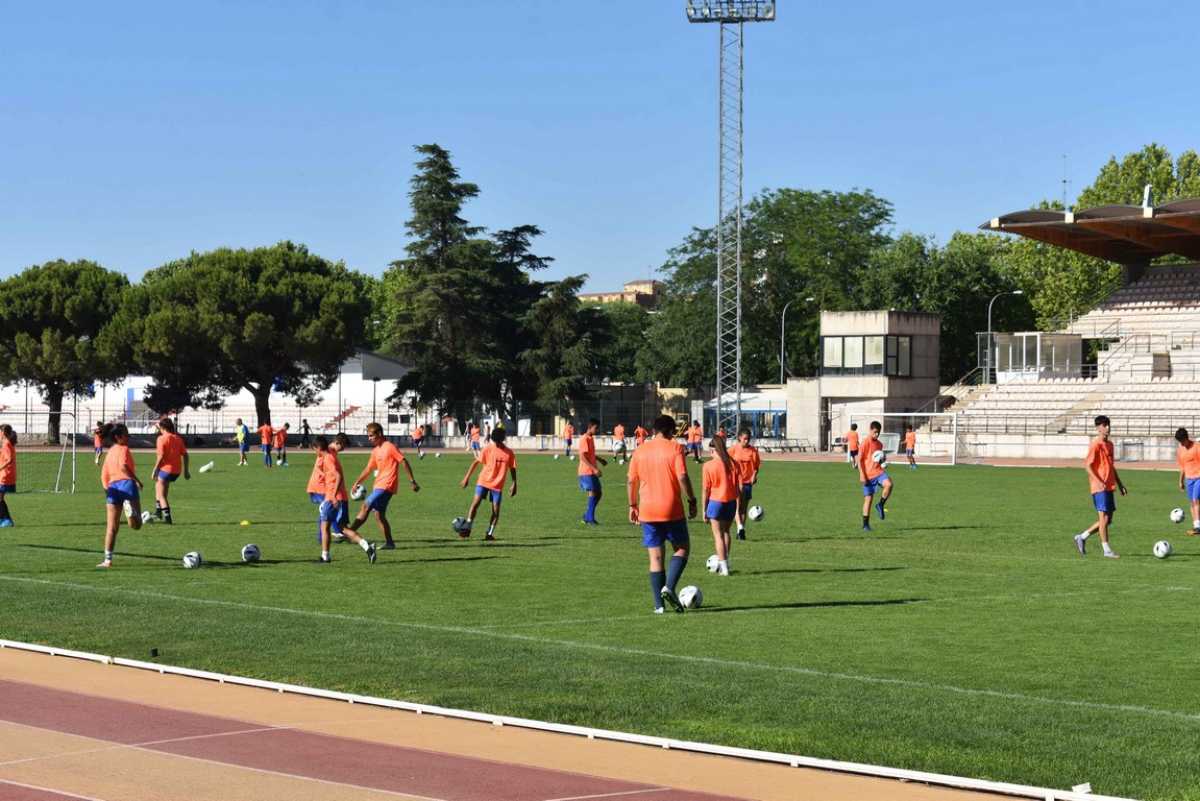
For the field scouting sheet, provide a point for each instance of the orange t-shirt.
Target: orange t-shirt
(1100, 459)
(910, 440)
(497, 460)
(640, 434)
(385, 458)
(867, 467)
(695, 434)
(8, 455)
(419, 433)
(279, 435)
(332, 479)
(569, 431)
(1188, 459)
(97, 440)
(654, 474)
(748, 461)
(474, 433)
(118, 465)
(618, 432)
(587, 455)
(316, 481)
(851, 440)
(264, 432)
(171, 449)
(721, 484)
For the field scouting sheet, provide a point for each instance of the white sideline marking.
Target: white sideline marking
(613, 649)
(610, 795)
(50, 790)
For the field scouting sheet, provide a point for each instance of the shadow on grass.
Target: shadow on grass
(818, 570)
(403, 562)
(809, 605)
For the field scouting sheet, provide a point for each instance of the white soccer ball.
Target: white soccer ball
(192, 559)
(620, 461)
(756, 513)
(437, 455)
(712, 563)
(147, 517)
(879, 457)
(460, 525)
(1162, 549)
(358, 492)
(1176, 515)
(251, 553)
(571, 457)
(556, 456)
(208, 466)
(691, 597)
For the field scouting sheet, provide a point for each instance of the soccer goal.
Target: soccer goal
(41, 466)
(936, 435)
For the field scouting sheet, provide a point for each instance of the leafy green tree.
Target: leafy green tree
(1124, 181)
(218, 322)
(51, 317)
(627, 325)
(567, 337)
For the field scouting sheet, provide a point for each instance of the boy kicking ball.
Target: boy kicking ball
(872, 474)
(497, 460)
(1188, 457)
(385, 458)
(1103, 480)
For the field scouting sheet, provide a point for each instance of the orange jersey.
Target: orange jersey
(654, 474)
(118, 465)
(1188, 459)
(587, 455)
(910, 440)
(867, 466)
(97, 440)
(721, 484)
(618, 432)
(171, 449)
(264, 433)
(316, 480)
(497, 460)
(8, 458)
(569, 431)
(640, 434)
(279, 436)
(1100, 459)
(332, 479)
(851, 440)
(748, 461)
(385, 458)
(695, 435)
(474, 433)
(419, 433)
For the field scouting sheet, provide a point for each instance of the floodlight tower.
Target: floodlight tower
(731, 15)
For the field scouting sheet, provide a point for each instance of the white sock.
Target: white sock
(490, 530)
(366, 546)
(1107, 547)
(108, 556)
(325, 555)
(723, 564)
(1083, 535)
(741, 527)
(1196, 524)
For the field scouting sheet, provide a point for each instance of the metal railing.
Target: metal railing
(1122, 425)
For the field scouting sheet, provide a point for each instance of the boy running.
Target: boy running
(721, 489)
(8, 471)
(386, 458)
(418, 440)
(121, 484)
(619, 441)
(333, 483)
(172, 460)
(749, 461)
(305, 434)
(658, 480)
(873, 475)
(475, 443)
(265, 432)
(569, 436)
(496, 461)
(242, 434)
(97, 443)
(852, 444)
(589, 472)
(1102, 481)
(279, 439)
(695, 435)
(910, 447)
(1188, 457)
(639, 435)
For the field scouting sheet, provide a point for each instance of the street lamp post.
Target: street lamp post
(987, 378)
(783, 337)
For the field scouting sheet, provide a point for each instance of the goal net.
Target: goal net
(936, 435)
(42, 466)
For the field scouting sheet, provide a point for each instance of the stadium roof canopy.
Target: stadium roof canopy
(1124, 234)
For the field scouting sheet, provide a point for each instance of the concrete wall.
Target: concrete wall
(804, 409)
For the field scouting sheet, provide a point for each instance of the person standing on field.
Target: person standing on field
(1103, 481)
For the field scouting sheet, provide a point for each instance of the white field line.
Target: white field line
(625, 793)
(886, 681)
(50, 791)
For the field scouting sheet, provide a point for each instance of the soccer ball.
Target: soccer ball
(461, 526)
(437, 455)
(571, 457)
(1176, 515)
(711, 563)
(620, 461)
(556, 456)
(691, 597)
(756, 513)
(147, 517)
(1162, 549)
(251, 553)
(207, 467)
(358, 492)
(192, 559)
(879, 457)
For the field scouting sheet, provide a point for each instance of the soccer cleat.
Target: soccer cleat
(1081, 545)
(371, 553)
(866, 527)
(723, 571)
(670, 597)
(323, 561)
(879, 508)
(388, 546)
(1111, 555)
(489, 538)
(106, 563)
(658, 610)
(741, 533)
(6, 523)
(1194, 532)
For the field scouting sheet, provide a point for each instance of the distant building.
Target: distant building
(644, 293)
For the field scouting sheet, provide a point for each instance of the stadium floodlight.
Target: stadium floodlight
(731, 16)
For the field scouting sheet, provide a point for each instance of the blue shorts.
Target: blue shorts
(418, 442)
(853, 454)
(910, 452)
(589, 483)
(694, 447)
(98, 450)
(720, 510)
(379, 500)
(6, 489)
(266, 449)
(337, 518)
(474, 445)
(1192, 485)
(120, 491)
(495, 496)
(747, 491)
(569, 441)
(167, 477)
(1104, 502)
(874, 485)
(654, 534)
(243, 446)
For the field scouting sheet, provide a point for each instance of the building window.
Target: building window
(905, 348)
(833, 354)
(873, 355)
(852, 353)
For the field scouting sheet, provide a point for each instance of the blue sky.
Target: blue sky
(132, 133)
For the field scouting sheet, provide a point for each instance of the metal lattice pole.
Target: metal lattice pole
(729, 227)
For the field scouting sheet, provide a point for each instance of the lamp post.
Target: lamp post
(783, 337)
(987, 378)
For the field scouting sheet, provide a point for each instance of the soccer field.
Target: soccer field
(963, 636)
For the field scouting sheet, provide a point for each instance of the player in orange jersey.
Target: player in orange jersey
(619, 442)
(171, 463)
(852, 444)
(475, 437)
(721, 488)
(8, 471)
(589, 472)
(279, 440)
(910, 447)
(97, 443)
(658, 481)
(568, 438)
(640, 435)
(872, 474)
(118, 476)
(418, 440)
(749, 461)
(1187, 455)
(333, 483)
(695, 436)
(265, 433)
(497, 460)
(385, 458)
(1103, 481)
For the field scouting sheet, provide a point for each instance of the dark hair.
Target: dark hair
(593, 422)
(744, 430)
(374, 429)
(110, 431)
(718, 445)
(909, 427)
(695, 422)
(854, 426)
(1181, 435)
(341, 439)
(499, 435)
(321, 442)
(1102, 420)
(665, 424)
(8, 433)
(875, 426)
(287, 425)
(166, 425)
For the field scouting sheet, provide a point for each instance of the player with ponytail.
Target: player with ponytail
(121, 487)
(8, 471)
(721, 487)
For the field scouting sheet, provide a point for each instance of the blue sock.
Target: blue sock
(657, 582)
(590, 514)
(675, 570)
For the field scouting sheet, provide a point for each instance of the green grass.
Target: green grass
(964, 636)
